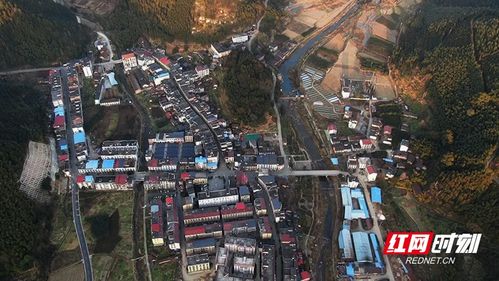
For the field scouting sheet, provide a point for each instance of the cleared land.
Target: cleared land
(36, 168)
(107, 222)
(308, 14)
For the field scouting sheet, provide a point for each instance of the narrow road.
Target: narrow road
(140, 198)
(275, 233)
(375, 229)
(108, 44)
(253, 36)
(279, 130)
(75, 199)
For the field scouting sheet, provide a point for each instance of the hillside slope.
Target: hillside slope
(36, 33)
(456, 46)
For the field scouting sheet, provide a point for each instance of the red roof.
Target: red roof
(59, 121)
(305, 275)
(240, 206)
(194, 230)
(153, 163)
(155, 227)
(169, 200)
(153, 179)
(121, 179)
(127, 56)
(242, 178)
(387, 130)
(202, 215)
(286, 238)
(164, 60)
(366, 142)
(185, 176)
(370, 169)
(80, 178)
(63, 157)
(331, 126)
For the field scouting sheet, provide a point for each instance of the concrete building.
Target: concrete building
(240, 38)
(129, 61)
(197, 263)
(202, 71)
(371, 173)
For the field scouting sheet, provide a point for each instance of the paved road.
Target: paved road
(275, 234)
(221, 159)
(317, 173)
(87, 263)
(108, 44)
(27, 70)
(375, 229)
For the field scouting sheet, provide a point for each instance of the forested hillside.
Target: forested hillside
(25, 225)
(187, 20)
(458, 48)
(36, 33)
(246, 89)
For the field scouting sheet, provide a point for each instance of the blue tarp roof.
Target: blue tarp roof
(92, 164)
(212, 164)
(376, 194)
(200, 159)
(334, 160)
(154, 208)
(350, 270)
(79, 137)
(89, 178)
(107, 163)
(59, 111)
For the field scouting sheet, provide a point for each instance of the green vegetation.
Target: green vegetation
(245, 93)
(388, 21)
(308, 32)
(36, 33)
(24, 239)
(369, 63)
(318, 62)
(108, 122)
(172, 19)
(107, 220)
(390, 113)
(380, 46)
(458, 49)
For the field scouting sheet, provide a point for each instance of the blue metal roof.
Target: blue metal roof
(89, 178)
(201, 243)
(107, 163)
(363, 206)
(92, 164)
(362, 247)
(377, 257)
(376, 194)
(79, 137)
(212, 164)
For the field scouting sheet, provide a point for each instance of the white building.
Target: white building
(366, 144)
(219, 51)
(371, 173)
(202, 71)
(129, 61)
(404, 145)
(240, 38)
